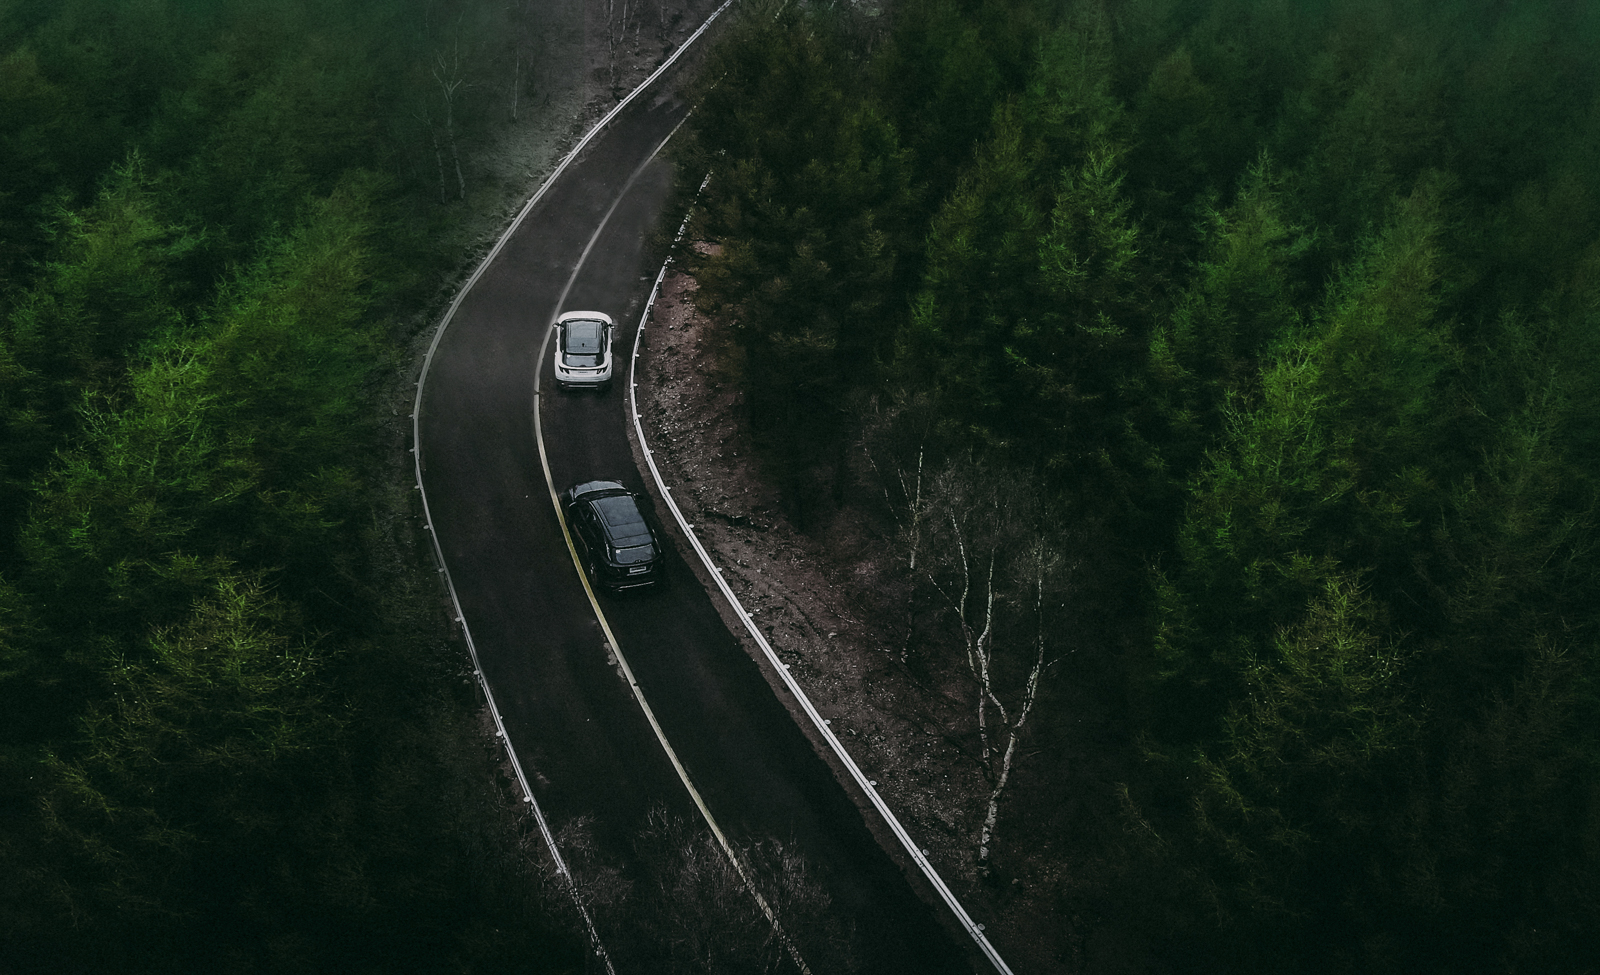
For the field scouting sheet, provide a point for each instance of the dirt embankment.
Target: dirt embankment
(819, 607)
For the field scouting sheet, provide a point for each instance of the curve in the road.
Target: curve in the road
(594, 604)
(416, 438)
(587, 746)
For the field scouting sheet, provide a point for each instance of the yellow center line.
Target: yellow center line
(594, 602)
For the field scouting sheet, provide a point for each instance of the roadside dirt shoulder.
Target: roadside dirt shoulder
(816, 606)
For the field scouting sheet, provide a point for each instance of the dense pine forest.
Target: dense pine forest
(232, 735)
(1278, 319)
(1281, 320)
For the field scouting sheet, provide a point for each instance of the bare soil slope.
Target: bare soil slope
(910, 729)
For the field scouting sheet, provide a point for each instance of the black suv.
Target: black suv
(620, 549)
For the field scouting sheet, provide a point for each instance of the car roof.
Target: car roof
(624, 522)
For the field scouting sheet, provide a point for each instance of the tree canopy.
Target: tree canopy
(1297, 301)
(225, 745)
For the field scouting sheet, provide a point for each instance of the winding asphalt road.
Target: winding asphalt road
(581, 737)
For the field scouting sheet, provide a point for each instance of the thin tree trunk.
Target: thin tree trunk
(916, 512)
(986, 835)
(438, 157)
(448, 89)
(993, 813)
(914, 543)
(516, 80)
(911, 492)
(455, 157)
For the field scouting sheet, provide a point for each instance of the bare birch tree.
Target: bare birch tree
(516, 76)
(438, 151)
(895, 442)
(447, 72)
(617, 17)
(996, 563)
(525, 48)
(1043, 569)
(985, 548)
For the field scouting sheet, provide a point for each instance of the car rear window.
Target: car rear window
(634, 554)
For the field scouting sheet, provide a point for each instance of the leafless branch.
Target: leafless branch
(995, 562)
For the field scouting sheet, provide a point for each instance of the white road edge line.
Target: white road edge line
(416, 440)
(866, 785)
(594, 603)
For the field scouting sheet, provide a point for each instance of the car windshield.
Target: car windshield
(584, 337)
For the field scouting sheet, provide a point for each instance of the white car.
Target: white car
(583, 350)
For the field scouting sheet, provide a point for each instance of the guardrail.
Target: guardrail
(973, 929)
